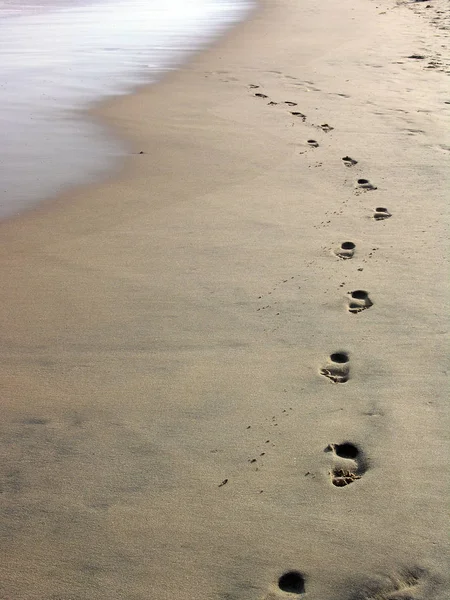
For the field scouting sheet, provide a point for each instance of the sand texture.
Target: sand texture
(202, 390)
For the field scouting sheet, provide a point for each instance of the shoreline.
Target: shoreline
(66, 149)
(171, 418)
(101, 113)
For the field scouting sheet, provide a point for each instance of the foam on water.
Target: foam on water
(57, 58)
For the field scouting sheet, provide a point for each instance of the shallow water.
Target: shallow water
(57, 58)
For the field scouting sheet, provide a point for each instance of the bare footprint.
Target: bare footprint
(259, 95)
(349, 162)
(346, 250)
(338, 368)
(365, 184)
(349, 463)
(290, 103)
(359, 300)
(402, 585)
(313, 143)
(325, 127)
(292, 582)
(299, 114)
(252, 86)
(381, 213)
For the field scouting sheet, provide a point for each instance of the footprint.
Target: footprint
(346, 251)
(349, 162)
(325, 127)
(290, 103)
(417, 56)
(365, 184)
(259, 95)
(359, 301)
(349, 463)
(399, 586)
(292, 582)
(252, 86)
(299, 114)
(337, 368)
(313, 143)
(272, 103)
(381, 213)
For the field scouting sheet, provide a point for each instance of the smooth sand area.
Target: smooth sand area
(173, 425)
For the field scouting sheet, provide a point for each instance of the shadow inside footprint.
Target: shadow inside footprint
(359, 300)
(313, 143)
(345, 450)
(338, 368)
(349, 463)
(292, 582)
(381, 213)
(325, 127)
(258, 95)
(290, 103)
(349, 162)
(299, 114)
(365, 184)
(346, 251)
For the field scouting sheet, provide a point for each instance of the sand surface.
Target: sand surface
(169, 331)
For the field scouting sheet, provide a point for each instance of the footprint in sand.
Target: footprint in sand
(313, 143)
(258, 95)
(299, 114)
(325, 127)
(289, 585)
(349, 162)
(402, 585)
(290, 103)
(358, 301)
(381, 213)
(252, 86)
(292, 582)
(349, 463)
(365, 184)
(338, 368)
(346, 250)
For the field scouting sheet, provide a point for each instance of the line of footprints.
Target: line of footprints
(380, 212)
(348, 461)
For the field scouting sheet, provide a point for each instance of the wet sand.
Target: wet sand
(202, 390)
(58, 61)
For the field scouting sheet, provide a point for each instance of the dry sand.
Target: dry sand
(165, 332)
